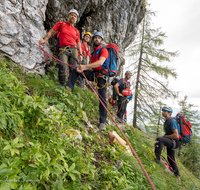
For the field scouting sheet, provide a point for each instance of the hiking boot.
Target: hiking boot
(157, 161)
(102, 126)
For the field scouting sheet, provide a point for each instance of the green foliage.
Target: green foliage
(190, 113)
(189, 155)
(38, 145)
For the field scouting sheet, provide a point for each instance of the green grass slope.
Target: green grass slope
(39, 148)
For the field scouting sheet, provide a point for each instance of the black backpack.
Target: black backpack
(114, 81)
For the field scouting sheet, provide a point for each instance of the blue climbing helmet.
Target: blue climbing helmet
(97, 34)
(167, 108)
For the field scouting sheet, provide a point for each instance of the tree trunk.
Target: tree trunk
(158, 122)
(138, 79)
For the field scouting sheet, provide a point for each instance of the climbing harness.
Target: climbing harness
(96, 83)
(121, 105)
(67, 48)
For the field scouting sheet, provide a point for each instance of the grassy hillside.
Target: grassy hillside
(39, 148)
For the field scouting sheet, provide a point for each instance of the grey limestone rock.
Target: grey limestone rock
(24, 22)
(21, 24)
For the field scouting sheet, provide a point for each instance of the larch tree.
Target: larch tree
(190, 155)
(191, 114)
(146, 63)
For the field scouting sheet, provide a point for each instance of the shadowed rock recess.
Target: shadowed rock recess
(24, 22)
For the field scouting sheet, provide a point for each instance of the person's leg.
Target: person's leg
(171, 160)
(73, 59)
(74, 76)
(102, 93)
(80, 83)
(114, 94)
(159, 146)
(62, 67)
(72, 79)
(121, 107)
(124, 110)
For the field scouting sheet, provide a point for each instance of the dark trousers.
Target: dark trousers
(114, 94)
(81, 79)
(122, 104)
(170, 152)
(102, 92)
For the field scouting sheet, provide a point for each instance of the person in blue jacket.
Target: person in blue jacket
(170, 139)
(122, 84)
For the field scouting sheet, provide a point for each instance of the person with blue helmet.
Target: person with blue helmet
(96, 65)
(170, 139)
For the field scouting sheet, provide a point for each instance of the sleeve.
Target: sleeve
(78, 36)
(104, 53)
(56, 27)
(173, 124)
(120, 82)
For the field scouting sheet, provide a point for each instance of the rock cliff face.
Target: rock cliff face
(24, 22)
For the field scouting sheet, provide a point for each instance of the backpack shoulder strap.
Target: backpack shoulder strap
(170, 120)
(100, 51)
(84, 46)
(61, 27)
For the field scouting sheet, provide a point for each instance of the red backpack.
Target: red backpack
(126, 92)
(184, 128)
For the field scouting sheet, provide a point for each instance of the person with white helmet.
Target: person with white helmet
(69, 43)
(98, 58)
(86, 53)
(170, 139)
(122, 88)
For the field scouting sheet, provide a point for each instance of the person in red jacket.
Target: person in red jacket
(86, 54)
(96, 65)
(69, 39)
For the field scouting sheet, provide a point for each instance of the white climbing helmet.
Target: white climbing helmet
(73, 11)
(127, 72)
(167, 108)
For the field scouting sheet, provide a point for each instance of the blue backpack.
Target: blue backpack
(109, 68)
